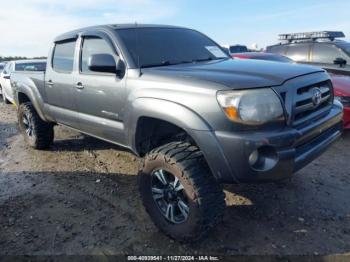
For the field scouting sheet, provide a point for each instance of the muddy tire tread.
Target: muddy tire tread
(44, 131)
(209, 193)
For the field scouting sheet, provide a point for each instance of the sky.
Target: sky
(29, 26)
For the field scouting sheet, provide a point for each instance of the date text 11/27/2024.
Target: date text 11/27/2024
(173, 258)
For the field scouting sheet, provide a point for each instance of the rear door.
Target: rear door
(100, 96)
(60, 84)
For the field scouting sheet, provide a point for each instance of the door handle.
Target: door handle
(79, 85)
(50, 83)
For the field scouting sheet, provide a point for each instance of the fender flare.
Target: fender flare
(165, 110)
(33, 95)
(190, 122)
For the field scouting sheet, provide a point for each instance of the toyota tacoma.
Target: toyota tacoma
(197, 117)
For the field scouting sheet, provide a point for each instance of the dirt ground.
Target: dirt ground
(81, 197)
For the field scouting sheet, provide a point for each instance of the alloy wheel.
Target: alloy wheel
(28, 125)
(169, 195)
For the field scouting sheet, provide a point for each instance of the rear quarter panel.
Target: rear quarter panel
(32, 84)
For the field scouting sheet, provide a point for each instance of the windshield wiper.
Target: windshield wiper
(168, 63)
(163, 63)
(207, 59)
(202, 59)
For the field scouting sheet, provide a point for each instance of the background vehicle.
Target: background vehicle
(197, 117)
(13, 66)
(238, 49)
(342, 93)
(322, 49)
(2, 65)
(341, 84)
(231, 49)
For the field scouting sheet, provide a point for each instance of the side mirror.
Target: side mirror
(105, 63)
(6, 76)
(340, 61)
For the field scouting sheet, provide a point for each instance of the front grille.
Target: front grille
(307, 106)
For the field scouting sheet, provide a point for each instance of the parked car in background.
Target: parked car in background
(2, 65)
(341, 83)
(15, 66)
(322, 49)
(238, 49)
(197, 117)
(232, 49)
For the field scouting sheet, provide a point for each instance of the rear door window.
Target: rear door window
(298, 52)
(326, 53)
(63, 57)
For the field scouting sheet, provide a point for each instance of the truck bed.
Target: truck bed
(30, 79)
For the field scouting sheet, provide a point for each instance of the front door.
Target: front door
(100, 96)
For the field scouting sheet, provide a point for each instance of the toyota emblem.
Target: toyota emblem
(316, 96)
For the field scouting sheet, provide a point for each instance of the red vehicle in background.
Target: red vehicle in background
(341, 86)
(341, 83)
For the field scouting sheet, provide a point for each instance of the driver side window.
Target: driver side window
(92, 46)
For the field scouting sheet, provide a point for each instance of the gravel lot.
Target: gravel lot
(81, 197)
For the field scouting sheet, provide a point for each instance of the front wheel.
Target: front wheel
(37, 133)
(179, 192)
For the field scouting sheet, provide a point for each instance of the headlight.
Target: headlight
(254, 107)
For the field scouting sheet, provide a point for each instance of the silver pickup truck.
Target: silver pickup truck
(197, 117)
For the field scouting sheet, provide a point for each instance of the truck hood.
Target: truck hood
(233, 73)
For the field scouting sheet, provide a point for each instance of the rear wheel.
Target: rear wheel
(37, 133)
(179, 192)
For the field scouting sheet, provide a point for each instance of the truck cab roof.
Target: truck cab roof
(108, 27)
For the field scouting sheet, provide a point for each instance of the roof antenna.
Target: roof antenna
(137, 49)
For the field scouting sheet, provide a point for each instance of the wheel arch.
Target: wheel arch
(28, 95)
(145, 112)
(183, 118)
(153, 132)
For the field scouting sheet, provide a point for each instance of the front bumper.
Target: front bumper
(288, 150)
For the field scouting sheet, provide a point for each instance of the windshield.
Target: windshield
(167, 46)
(30, 66)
